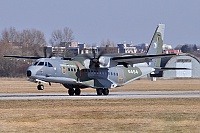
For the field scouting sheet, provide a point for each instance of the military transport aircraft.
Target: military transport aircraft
(99, 71)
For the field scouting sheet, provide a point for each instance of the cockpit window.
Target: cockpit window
(41, 64)
(35, 63)
(49, 65)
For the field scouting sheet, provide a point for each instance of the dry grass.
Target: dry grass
(112, 115)
(101, 115)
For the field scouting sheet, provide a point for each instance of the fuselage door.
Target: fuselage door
(120, 74)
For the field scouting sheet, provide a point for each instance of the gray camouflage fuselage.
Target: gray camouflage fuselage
(70, 75)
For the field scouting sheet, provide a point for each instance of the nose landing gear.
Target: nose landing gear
(40, 87)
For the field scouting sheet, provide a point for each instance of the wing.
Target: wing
(129, 59)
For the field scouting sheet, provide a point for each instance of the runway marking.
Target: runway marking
(114, 95)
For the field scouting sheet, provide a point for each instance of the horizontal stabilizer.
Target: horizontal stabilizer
(169, 68)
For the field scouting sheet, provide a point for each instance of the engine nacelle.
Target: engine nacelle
(106, 62)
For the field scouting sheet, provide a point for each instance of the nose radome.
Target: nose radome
(28, 73)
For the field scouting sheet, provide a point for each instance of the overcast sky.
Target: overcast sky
(116, 20)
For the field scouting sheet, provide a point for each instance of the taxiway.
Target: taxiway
(114, 95)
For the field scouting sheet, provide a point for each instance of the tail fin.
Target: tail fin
(156, 44)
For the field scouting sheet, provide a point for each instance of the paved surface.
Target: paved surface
(115, 95)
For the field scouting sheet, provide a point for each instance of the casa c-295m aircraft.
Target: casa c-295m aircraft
(98, 71)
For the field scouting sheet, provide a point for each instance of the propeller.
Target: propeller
(94, 60)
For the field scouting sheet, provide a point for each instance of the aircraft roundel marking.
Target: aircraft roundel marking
(155, 45)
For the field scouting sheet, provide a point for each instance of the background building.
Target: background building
(127, 48)
(184, 61)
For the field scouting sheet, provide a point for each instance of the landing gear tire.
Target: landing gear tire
(105, 91)
(99, 91)
(77, 91)
(40, 87)
(71, 92)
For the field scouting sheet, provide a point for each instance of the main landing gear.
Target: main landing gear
(76, 91)
(104, 91)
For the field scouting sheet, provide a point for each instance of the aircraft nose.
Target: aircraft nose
(28, 73)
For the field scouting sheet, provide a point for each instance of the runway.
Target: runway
(112, 95)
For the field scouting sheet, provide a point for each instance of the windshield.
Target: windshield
(41, 64)
(47, 64)
(35, 63)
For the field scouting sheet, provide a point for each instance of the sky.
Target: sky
(117, 20)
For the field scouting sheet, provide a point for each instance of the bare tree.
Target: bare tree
(13, 42)
(107, 43)
(108, 46)
(59, 36)
(30, 40)
(9, 35)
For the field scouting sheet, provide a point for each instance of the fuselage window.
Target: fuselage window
(110, 73)
(116, 74)
(35, 63)
(71, 69)
(45, 63)
(50, 65)
(41, 64)
(68, 69)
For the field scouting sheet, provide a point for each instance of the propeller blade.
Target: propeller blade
(101, 53)
(45, 51)
(94, 53)
(23, 57)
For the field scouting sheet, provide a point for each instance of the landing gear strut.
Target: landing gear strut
(40, 87)
(101, 91)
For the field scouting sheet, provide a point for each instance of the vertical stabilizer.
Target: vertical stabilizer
(156, 44)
